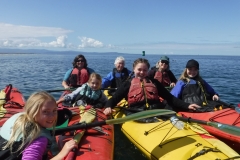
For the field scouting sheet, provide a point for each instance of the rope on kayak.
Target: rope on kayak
(223, 114)
(202, 152)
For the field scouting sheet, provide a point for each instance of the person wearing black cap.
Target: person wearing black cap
(162, 72)
(191, 88)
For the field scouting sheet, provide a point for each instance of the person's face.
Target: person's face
(47, 115)
(94, 84)
(163, 64)
(140, 70)
(192, 72)
(120, 65)
(80, 63)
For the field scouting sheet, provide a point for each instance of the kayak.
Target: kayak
(96, 143)
(161, 140)
(11, 102)
(225, 116)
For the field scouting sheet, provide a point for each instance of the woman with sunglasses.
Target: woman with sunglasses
(162, 72)
(79, 74)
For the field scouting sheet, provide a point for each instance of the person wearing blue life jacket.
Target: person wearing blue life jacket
(25, 135)
(79, 74)
(162, 72)
(89, 92)
(117, 76)
(142, 93)
(192, 88)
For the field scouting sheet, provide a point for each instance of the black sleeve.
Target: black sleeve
(151, 73)
(120, 93)
(171, 100)
(172, 77)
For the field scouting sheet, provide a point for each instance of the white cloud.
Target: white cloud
(20, 31)
(90, 43)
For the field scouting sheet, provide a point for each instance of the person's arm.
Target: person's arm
(36, 149)
(172, 77)
(106, 81)
(120, 93)
(101, 102)
(70, 96)
(211, 91)
(66, 76)
(177, 90)
(151, 73)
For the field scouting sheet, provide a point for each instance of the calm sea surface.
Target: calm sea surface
(34, 72)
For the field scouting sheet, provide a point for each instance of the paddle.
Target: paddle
(224, 127)
(135, 116)
(72, 89)
(87, 117)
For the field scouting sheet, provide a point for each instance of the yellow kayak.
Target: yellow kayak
(161, 140)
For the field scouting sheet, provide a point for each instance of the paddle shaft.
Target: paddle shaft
(224, 127)
(135, 116)
(72, 89)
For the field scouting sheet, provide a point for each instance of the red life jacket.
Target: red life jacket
(163, 78)
(78, 77)
(141, 90)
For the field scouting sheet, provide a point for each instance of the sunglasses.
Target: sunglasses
(80, 60)
(164, 61)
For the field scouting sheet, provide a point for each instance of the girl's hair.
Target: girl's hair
(25, 125)
(76, 59)
(97, 76)
(119, 59)
(184, 76)
(141, 60)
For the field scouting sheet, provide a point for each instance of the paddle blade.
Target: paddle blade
(226, 128)
(140, 115)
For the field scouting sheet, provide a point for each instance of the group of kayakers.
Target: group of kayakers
(143, 90)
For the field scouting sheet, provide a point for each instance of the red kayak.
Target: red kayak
(225, 116)
(12, 102)
(96, 143)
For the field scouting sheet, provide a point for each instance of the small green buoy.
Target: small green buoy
(143, 53)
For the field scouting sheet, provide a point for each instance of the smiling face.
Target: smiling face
(192, 72)
(47, 115)
(140, 70)
(163, 64)
(119, 65)
(80, 63)
(94, 83)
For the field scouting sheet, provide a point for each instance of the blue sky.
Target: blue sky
(126, 26)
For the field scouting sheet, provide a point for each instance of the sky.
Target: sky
(125, 26)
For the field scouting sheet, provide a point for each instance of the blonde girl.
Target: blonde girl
(89, 92)
(26, 134)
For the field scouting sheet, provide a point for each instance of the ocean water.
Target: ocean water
(34, 72)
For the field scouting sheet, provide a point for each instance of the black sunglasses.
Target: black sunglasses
(164, 61)
(80, 60)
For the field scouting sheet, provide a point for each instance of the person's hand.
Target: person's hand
(193, 106)
(66, 87)
(172, 84)
(215, 98)
(108, 110)
(68, 146)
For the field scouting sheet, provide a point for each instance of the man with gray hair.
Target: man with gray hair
(117, 76)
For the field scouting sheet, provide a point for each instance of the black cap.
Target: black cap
(192, 63)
